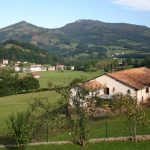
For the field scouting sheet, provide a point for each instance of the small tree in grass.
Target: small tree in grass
(21, 126)
(50, 84)
(77, 97)
(128, 107)
(45, 116)
(78, 119)
(27, 83)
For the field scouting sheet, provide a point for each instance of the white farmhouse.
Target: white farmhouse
(51, 68)
(5, 61)
(37, 67)
(94, 88)
(135, 82)
(17, 69)
(60, 67)
(72, 68)
(36, 75)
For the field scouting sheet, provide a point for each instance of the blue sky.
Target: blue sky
(57, 13)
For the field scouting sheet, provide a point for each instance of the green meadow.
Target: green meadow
(116, 126)
(15, 103)
(65, 77)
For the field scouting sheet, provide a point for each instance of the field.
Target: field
(15, 103)
(63, 78)
(116, 126)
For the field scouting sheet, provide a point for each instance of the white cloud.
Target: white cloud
(142, 5)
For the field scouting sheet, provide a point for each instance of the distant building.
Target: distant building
(2, 66)
(25, 62)
(17, 69)
(72, 68)
(37, 67)
(51, 68)
(26, 69)
(5, 61)
(36, 75)
(60, 67)
(18, 62)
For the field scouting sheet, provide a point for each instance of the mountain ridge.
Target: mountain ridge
(14, 50)
(82, 36)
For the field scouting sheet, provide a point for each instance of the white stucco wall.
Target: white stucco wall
(142, 95)
(111, 83)
(114, 84)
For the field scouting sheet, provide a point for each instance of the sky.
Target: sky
(57, 13)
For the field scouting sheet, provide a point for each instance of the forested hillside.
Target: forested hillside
(82, 38)
(14, 50)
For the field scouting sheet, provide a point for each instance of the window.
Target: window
(113, 89)
(128, 92)
(106, 91)
(142, 98)
(147, 90)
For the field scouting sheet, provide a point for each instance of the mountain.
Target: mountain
(14, 50)
(82, 38)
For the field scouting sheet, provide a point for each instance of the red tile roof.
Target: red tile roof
(91, 85)
(136, 78)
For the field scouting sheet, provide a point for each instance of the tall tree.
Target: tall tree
(128, 107)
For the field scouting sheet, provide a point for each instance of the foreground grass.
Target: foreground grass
(16, 103)
(12, 104)
(116, 127)
(142, 145)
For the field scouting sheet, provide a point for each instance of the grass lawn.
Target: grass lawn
(64, 78)
(116, 127)
(142, 145)
(16, 103)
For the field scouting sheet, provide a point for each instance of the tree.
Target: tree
(78, 118)
(128, 107)
(44, 115)
(7, 82)
(50, 84)
(21, 126)
(28, 83)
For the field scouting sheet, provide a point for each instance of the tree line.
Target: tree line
(11, 83)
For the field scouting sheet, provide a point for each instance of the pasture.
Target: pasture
(116, 126)
(64, 78)
(14, 103)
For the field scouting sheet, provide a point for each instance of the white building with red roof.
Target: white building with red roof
(135, 82)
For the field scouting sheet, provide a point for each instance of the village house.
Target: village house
(37, 67)
(25, 69)
(60, 67)
(2, 65)
(36, 75)
(17, 68)
(5, 61)
(51, 68)
(94, 88)
(72, 68)
(135, 82)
